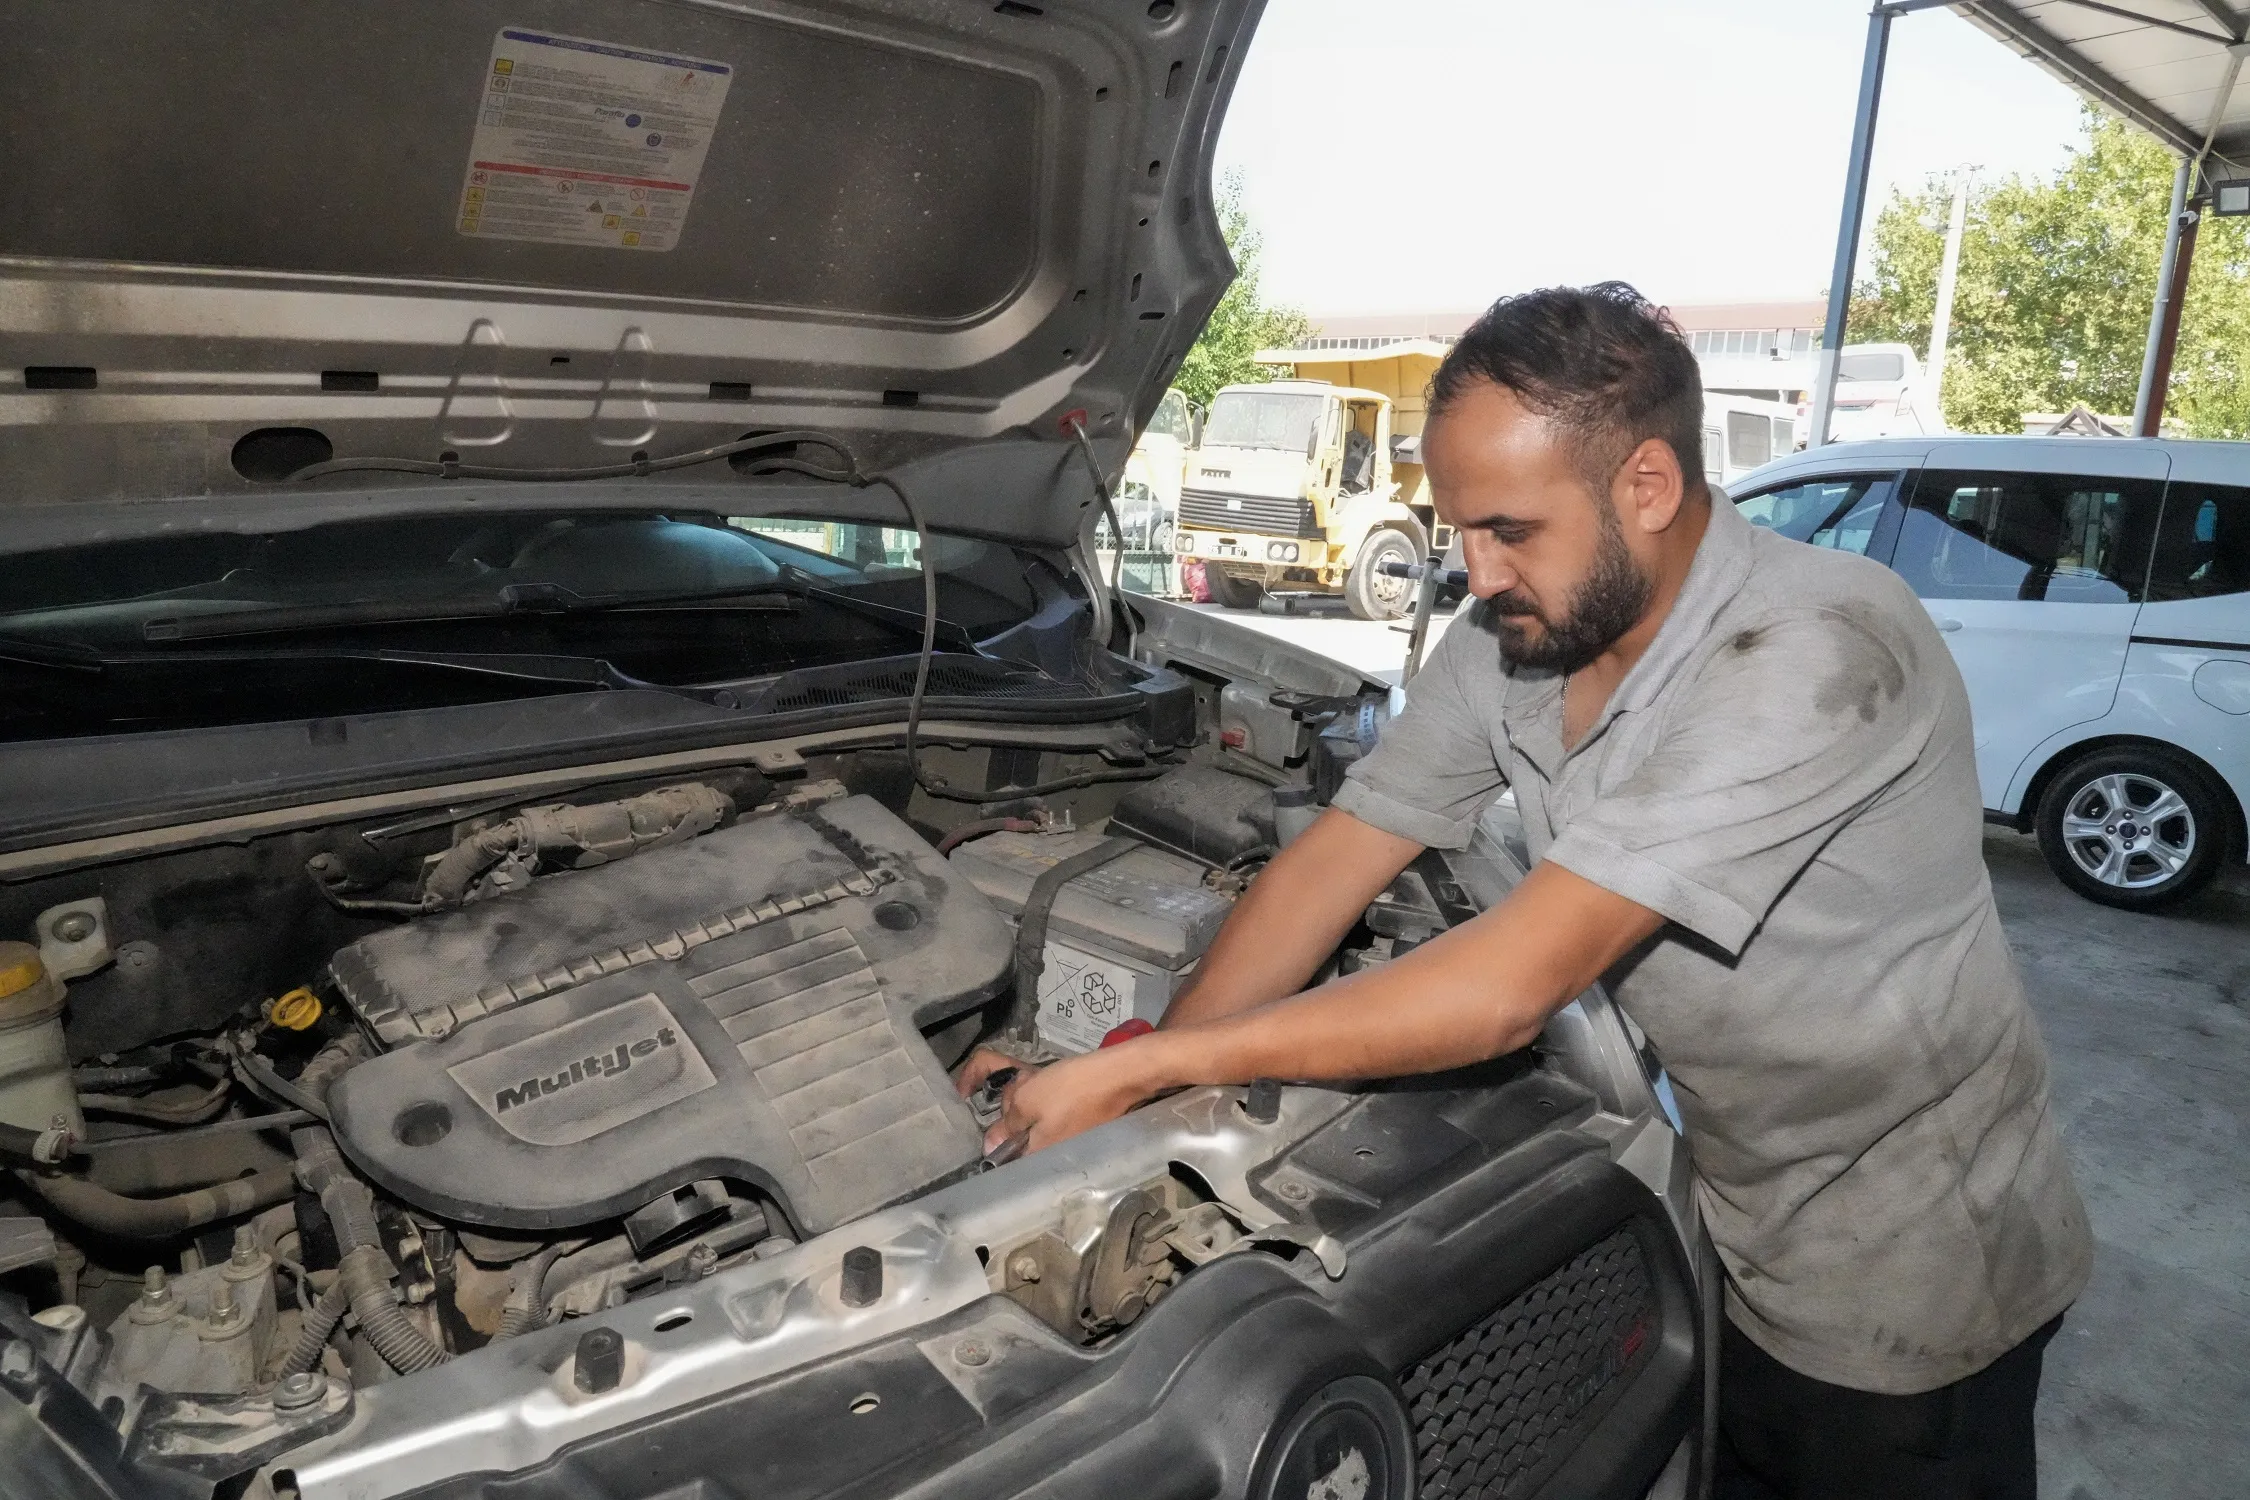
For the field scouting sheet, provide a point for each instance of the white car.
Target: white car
(2096, 594)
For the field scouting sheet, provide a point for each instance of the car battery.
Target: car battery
(1120, 937)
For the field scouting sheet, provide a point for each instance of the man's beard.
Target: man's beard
(1607, 602)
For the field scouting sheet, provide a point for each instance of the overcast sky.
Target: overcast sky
(1696, 150)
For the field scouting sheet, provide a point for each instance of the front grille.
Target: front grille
(1263, 515)
(1495, 1408)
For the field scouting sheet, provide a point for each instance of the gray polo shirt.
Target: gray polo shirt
(1787, 776)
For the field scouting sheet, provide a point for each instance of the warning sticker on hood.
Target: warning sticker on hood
(588, 143)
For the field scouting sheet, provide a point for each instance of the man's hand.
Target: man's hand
(1066, 1098)
(982, 1064)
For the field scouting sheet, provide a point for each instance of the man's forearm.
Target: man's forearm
(1292, 917)
(1476, 992)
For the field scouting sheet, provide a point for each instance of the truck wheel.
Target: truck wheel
(2138, 829)
(1373, 594)
(1230, 592)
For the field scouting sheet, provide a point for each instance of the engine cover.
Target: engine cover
(747, 1005)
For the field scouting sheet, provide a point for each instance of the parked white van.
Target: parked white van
(1741, 433)
(2096, 594)
(1883, 391)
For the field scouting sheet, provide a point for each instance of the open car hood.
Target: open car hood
(562, 232)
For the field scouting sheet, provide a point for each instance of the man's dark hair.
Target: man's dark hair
(1603, 362)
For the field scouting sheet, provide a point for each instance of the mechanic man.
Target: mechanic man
(1745, 772)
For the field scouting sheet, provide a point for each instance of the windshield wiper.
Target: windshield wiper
(60, 656)
(514, 599)
(784, 595)
(523, 666)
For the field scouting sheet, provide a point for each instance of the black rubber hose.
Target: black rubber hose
(364, 1271)
(320, 1321)
(160, 1218)
(527, 1299)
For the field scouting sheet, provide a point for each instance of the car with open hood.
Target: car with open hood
(557, 682)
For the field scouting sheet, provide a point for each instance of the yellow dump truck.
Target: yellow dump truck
(1311, 482)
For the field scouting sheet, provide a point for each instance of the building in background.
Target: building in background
(1763, 350)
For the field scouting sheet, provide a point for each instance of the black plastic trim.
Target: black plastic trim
(2173, 640)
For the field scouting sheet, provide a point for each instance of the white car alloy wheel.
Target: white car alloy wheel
(2129, 831)
(2138, 827)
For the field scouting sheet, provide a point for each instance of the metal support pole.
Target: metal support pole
(1949, 271)
(2144, 401)
(1425, 605)
(1854, 214)
(2168, 333)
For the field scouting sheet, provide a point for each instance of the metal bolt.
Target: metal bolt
(863, 1276)
(970, 1352)
(1024, 1268)
(155, 1290)
(17, 1359)
(1293, 1190)
(702, 1260)
(75, 926)
(600, 1365)
(298, 1391)
(224, 1309)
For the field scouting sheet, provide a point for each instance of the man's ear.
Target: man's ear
(1650, 487)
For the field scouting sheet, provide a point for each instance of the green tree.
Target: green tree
(2057, 274)
(1243, 322)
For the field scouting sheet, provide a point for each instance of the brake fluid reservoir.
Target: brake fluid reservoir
(35, 1090)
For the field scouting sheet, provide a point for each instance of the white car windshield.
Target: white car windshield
(1262, 419)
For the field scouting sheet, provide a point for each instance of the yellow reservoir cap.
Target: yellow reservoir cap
(295, 1011)
(20, 968)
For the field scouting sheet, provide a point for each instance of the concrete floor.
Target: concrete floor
(2147, 1391)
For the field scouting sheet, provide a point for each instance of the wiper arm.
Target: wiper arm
(514, 599)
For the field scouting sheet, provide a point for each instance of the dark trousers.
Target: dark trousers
(1786, 1436)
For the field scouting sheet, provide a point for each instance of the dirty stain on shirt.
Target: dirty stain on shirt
(1788, 777)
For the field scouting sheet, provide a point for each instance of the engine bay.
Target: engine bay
(563, 1056)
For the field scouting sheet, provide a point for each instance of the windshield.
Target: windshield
(1882, 366)
(1262, 419)
(171, 631)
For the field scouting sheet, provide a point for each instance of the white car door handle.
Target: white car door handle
(1946, 625)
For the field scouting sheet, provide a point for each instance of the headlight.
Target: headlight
(1281, 552)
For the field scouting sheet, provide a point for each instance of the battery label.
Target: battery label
(1082, 997)
(588, 143)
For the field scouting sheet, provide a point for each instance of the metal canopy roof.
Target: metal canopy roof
(2173, 67)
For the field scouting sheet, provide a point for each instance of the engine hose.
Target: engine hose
(961, 833)
(364, 1271)
(527, 1301)
(160, 1218)
(320, 1321)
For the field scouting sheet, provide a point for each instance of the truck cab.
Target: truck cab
(1294, 488)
